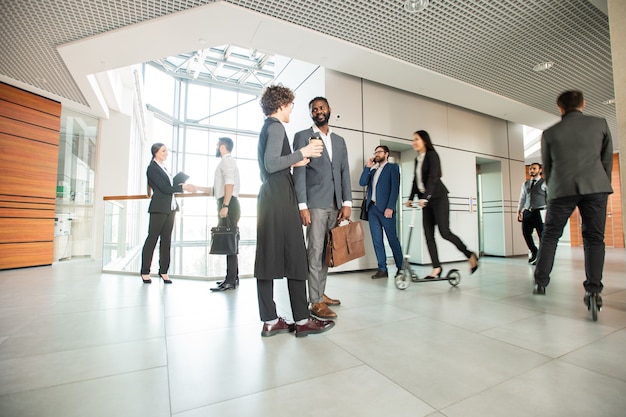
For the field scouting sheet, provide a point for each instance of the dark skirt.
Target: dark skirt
(280, 247)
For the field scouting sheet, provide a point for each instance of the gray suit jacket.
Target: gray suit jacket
(577, 156)
(322, 184)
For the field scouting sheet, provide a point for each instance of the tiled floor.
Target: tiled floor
(76, 342)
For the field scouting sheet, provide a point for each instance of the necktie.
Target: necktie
(532, 183)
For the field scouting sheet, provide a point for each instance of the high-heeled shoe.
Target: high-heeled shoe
(146, 280)
(165, 281)
(436, 276)
(473, 259)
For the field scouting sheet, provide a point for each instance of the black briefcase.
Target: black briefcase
(224, 240)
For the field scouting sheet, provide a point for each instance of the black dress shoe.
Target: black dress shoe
(280, 327)
(225, 286)
(146, 280)
(533, 259)
(165, 281)
(236, 282)
(539, 290)
(380, 274)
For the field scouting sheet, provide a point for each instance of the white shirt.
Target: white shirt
(328, 143)
(418, 172)
(375, 179)
(226, 173)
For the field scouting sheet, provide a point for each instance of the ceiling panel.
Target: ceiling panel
(490, 44)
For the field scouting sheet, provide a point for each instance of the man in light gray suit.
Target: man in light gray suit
(324, 196)
(577, 157)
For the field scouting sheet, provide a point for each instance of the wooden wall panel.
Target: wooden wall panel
(26, 230)
(19, 112)
(29, 152)
(32, 163)
(32, 101)
(28, 131)
(19, 255)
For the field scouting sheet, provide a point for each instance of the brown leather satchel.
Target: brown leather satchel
(345, 243)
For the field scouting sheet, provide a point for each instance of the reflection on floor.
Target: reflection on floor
(76, 342)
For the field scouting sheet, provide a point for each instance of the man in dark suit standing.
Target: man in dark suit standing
(382, 179)
(324, 198)
(577, 157)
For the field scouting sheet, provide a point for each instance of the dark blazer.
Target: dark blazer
(431, 177)
(387, 187)
(162, 189)
(322, 183)
(577, 156)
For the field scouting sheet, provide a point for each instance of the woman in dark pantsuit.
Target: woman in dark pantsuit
(162, 209)
(433, 199)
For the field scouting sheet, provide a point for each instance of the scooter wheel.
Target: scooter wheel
(402, 281)
(454, 277)
(593, 306)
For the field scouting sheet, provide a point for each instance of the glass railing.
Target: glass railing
(126, 228)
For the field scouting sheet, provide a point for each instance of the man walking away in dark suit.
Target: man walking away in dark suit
(382, 179)
(532, 200)
(577, 157)
(324, 198)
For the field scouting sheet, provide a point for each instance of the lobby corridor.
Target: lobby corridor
(77, 342)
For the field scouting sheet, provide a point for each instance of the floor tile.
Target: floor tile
(555, 389)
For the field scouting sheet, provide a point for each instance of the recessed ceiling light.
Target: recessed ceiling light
(609, 101)
(415, 6)
(543, 66)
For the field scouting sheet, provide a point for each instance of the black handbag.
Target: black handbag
(363, 215)
(224, 240)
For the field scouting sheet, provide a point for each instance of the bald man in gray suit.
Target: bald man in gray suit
(324, 196)
(577, 157)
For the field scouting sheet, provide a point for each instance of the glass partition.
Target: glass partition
(126, 228)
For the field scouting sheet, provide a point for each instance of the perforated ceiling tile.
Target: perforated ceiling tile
(492, 44)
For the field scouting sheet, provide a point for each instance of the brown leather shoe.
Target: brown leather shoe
(329, 301)
(322, 311)
(281, 327)
(313, 326)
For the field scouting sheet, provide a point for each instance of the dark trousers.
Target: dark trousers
(592, 208)
(297, 298)
(531, 220)
(379, 223)
(437, 212)
(160, 227)
(234, 214)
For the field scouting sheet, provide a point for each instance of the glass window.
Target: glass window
(246, 146)
(200, 169)
(162, 132)
(198, 103)
(159, 89)
(249, 113)
(75, 186)
(223, 108)
(197, 141)
(251, 177)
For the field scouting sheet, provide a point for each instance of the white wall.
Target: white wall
(112, 168)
